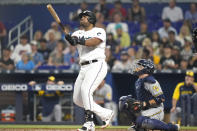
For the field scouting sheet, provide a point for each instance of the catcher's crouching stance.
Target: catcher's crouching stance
(147, 109)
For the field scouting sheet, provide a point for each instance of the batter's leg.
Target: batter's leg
(77, 99)
(93, 77)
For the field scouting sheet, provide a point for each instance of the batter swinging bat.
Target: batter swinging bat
(55, 16)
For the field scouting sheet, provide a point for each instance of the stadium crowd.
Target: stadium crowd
(168, 47)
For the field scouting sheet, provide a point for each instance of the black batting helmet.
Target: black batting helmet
(90, 14)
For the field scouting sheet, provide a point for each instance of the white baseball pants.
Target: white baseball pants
(89, 78)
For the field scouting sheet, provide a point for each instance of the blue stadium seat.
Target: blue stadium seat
(64, 67)
(46, 67)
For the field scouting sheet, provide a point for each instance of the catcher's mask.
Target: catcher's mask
(142, 66)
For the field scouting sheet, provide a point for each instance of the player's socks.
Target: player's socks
(89, 124)
(155, 124)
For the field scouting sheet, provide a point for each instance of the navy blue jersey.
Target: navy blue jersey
(147, 88)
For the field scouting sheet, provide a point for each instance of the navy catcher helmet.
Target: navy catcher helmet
(142, 66)
(91, 16)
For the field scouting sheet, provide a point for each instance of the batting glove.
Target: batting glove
(73, 40)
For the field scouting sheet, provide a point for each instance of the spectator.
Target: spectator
(118, 9)
(117, 19)
(6, 63)
(156, 43)
(109, 57)
(191, 15)
(54, 29)
(177, 56)
(50, 101)
(163, 31)
(35, 56)
(23, 47)
(187, 52)
(99, 20)
(25, 63)
(114, 45)
(172, 39)
(38, 35)
(122, 37)
(103, 97)
(122, 65)
(136, 13)
(56, 58)
(51, 44)
(140, 36)
(102, 8)
(3, 34)
(74, 15)
(172, 12)
(193, 62)
(184, 32)
(71, 58)
(167, 61)
(44, 50)
(188, 87)
(184, 65)
(132, 53)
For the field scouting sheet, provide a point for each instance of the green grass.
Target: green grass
(66, 127)
(53, 126)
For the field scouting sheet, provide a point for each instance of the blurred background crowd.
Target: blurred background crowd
(130, 36)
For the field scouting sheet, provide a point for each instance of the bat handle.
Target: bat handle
(62, 26)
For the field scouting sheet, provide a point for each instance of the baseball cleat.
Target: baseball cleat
(108, 120)
(178, 127)
(88, 126)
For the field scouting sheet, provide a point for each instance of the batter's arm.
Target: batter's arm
(93, 42)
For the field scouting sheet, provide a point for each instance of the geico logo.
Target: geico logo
(17, 87)
(67, 87)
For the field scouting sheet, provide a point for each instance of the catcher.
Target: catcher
(147, 109)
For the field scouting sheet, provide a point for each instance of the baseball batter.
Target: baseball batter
(148, 107)
(90, 42)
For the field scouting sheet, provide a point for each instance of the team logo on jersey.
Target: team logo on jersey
(99, 33)
(156, 88)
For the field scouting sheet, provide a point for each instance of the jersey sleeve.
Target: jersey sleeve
(100, 34)
(176, 93)
(154, 88)
(76, 33)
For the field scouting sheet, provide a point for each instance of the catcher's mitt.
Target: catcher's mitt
(135, 106)
(194, 38)
(130, 104)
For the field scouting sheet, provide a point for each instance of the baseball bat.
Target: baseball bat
(56, 17)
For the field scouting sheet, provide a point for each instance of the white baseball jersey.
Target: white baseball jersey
(90, 53)
(91, 75)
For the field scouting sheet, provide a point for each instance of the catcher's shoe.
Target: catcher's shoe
(88, 126)
(108, 120)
